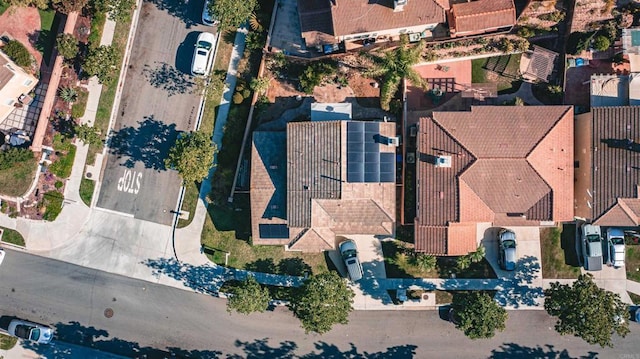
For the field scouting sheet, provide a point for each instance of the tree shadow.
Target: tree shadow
(513, 350)
(169, 79)
(209, 279)
(294, 266)
(518, 290)
(149, 143)
(181, 9)
(568, 244)
(263, 265)
(76, 334)
(225, 218)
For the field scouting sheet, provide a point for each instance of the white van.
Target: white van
(203, 54)
(349, 253)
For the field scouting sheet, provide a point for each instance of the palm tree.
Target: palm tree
(394, 66)
(477, 255)
(463, 262)
(68, 94)
(425, 261)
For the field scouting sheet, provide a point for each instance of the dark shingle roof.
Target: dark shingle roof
(313, 167)
(616, 156)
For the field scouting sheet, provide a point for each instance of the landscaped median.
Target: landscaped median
(11, 236)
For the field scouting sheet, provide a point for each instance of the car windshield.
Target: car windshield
(22, 331)
(35, 334)
(350, 253)
(204, 45)
(593, 238)
(617, 240)
(509, 243)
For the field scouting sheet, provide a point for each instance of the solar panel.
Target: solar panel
(273, 231)
(387, 167)
(365, 163)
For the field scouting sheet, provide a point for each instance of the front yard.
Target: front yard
(559, 258)
(633, 262)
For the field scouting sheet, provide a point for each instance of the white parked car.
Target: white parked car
(203, 54)
(615, 241)
(30, 331)
(207, 16)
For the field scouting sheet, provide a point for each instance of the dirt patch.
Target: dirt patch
(82, 29)
(364, 89)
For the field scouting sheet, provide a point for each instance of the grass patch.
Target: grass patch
(12, 236)
(63, 165)
(52, 202)
(189, 202)
(634, 298)
(228, 230)
(477, 71)
(78, 108)
(399, 264)
(3, 7)
(108, 94)
(48, 29)
(97, 25)
(86, 190)
(632, 262)
(15, 181)
(503, 70)
(443, 297)
(559, 259)
(7, 342)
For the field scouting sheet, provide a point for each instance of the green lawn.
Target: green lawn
(502, 70)
(15, 181)
(86, 190)
(477, 71)
(3, 7)
(227, 230)
(398, 264)
(7, 342)
(48, 31)
(78, 108)
(634, 298)
(63, 165)
(189, 202)
(12, 236)
(558, 253)
(632, 262)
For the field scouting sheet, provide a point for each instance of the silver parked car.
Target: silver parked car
(591, 241)
(615, 243)
(207, 17)
(507, 249)
(30, 331)
(349, 253)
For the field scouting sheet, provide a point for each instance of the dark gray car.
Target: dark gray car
(507, 249)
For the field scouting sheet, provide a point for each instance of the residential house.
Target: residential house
(505, 166)
(15, 85)
(320, 180)
(481, 16)
(334, 21)
(615, 170)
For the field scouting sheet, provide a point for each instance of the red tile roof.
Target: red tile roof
(508, 165)
(481, 16)
(626, 213)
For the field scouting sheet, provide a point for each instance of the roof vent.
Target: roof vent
(443, 161)
(398, 5)
(273, 167)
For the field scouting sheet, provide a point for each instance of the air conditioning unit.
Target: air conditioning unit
(398, 5)
(394, 141)
(443, 161)
(411, 157)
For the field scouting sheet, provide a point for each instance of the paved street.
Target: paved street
(159, 100)
(149, 319)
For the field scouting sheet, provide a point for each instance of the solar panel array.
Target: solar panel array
(273, 231)
(365, 162)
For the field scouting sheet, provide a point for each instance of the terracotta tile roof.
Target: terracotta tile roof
(313, 167)
(430, 239)
(626, 213)
(361, 16)
(5, 73)
(268, 182)
(355, 212)
(616, 159)
(461, 238)
(312, 241)
(504, 164)
(481, 15)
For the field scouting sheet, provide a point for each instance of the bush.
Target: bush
(314, 74)
(68, 94)
(17, 53)
(67, 46)
(601, 43)
(237, 98)
(555, 16)
(53, 205)
(577, 42)
(58, 184)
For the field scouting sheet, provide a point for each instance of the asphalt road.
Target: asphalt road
(151, 320)
(159, 100)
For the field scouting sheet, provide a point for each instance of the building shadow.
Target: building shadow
(568, 244)
(149, 143)
(168, 78)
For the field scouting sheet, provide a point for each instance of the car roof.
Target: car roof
(591, 229)
(206, 36)
(349, 244)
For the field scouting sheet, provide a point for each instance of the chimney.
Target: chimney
(398, 5)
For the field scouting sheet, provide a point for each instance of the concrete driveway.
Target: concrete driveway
(159, 100)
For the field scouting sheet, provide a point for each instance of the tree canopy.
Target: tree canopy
(587, 311)
(322, 301)
(248, 297)
(102, 62)
(118, 10)
(478, 315)
(67, 46)
(232, 13)
(68, 6)
(393, 66)
(192, 156)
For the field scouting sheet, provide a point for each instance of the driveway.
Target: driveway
(159, 100)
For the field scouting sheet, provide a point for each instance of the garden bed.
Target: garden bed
(12, 236)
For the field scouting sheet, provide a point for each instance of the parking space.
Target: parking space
(369, 253)
(159, 100)
(528, 252)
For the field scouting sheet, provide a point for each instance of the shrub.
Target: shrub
(601, 43)
(58, 184)
(17, 53)
(555, 16)
(67, 46)
(314, 74)
(237, 98)
(68, 94)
